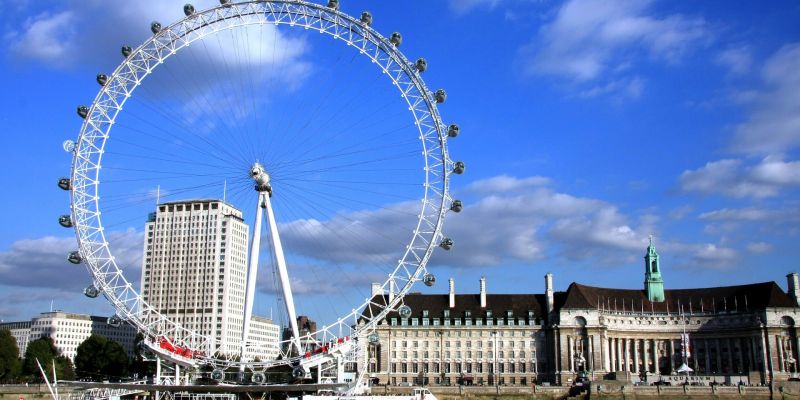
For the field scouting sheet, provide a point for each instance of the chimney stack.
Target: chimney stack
(377, 290)
(483, 292)
(548, 288)
(452, 293)
(794, 287)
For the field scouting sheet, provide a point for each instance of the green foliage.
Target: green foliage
(99, 358)
(10, 366)
(44, 350)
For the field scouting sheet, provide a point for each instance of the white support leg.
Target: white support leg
(252, 272)
(283, 274)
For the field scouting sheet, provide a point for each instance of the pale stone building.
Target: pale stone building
(745, 333)
(194, 268)
(68, 331)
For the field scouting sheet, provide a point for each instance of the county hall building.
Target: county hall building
(745, 333)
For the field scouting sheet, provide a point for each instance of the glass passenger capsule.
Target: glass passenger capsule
(188, 9)
(333, 4)
(217, 374)
(155, 27)
(298, 372)
(453, 130)
(114, 321)
(446, 243)
(126, 51)
(429, 280)
(440, 96)
(456, 206)
(74, 257)
(65, 221)
(91, 291)
(404, 311)
(366, 18)
(83, 111)
(102, 79)
(64, 183)
(374, 338)
(258, 378)
(396, 39)
(459, 167)
(421, 65)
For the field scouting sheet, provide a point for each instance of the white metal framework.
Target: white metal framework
(338, 338)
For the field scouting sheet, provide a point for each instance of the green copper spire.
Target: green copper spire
(653, 284)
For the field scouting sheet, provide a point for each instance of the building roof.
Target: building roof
(499, 304)
(191, 201)
(741, 297)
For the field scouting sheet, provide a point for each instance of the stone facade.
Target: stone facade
(744, 333)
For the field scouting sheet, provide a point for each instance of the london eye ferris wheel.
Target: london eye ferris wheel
(287, 108)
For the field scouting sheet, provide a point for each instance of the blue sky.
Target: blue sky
(586, 126)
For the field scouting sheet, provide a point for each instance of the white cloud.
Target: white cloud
(773, 124)
(731, 178)
(505, 183)
(738, 60)
(465, 6)
(92, 33)
(42, 262)
(505, 220)
(737, 214)
(46, 37)
(589, 40)
(710, 254)
(759, 247)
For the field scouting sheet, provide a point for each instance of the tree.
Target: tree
(45, 351)
(100, 358)
(9, 358)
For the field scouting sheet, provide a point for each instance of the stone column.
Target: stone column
(752, 355)
(779, 346)
(671, 350)
(796, 352)
(636, 356)
(707, 367)
(626, 365)
(646, 354)
(719, 356)
(656, 356)
(614, 354)
(570, 359)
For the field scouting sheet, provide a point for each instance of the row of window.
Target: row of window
(478, 367)
(458, 354)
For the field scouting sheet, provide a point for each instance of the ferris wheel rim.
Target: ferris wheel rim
(98, 256)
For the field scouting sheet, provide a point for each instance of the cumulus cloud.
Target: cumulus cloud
(588, 40)
(715, 256)
(42, 262)
(737, 60)
(505, 220)
(773, 124)
(465, 6)
(731, 177)
(92, 33)
(759, 247)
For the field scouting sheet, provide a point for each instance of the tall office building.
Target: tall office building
(195, 268)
